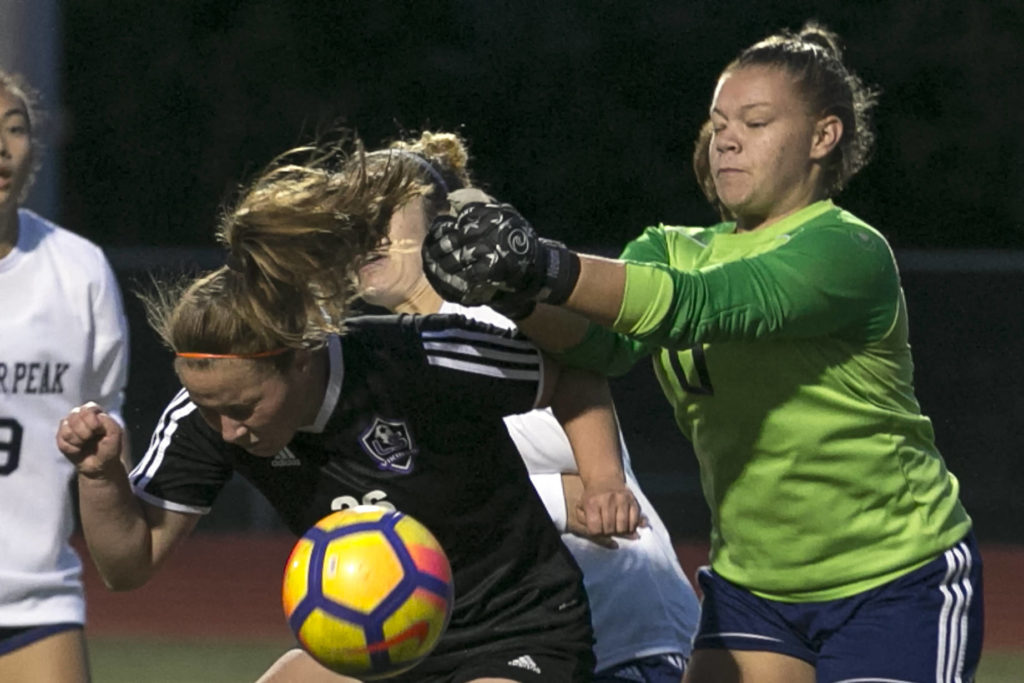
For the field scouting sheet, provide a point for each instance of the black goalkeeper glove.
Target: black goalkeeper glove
(488, 254)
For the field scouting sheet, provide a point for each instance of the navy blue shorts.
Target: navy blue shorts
(12, 639)
(667, 668)
(923, 626)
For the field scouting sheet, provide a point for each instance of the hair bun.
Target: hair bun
(816, 34)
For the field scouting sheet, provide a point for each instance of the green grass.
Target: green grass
(156, 661)
(1001, 666)
(227, 661)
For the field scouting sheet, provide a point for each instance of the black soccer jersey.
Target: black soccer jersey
(412, 418)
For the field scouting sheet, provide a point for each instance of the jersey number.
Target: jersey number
(700, 364)
(375, 497)
(10, 445)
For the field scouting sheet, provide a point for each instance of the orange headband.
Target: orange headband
(259, 354)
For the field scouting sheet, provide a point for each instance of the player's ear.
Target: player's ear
(827, 134)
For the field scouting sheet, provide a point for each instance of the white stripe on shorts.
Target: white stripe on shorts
(956, 598)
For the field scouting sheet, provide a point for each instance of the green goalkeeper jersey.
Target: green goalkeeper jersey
(784, 353)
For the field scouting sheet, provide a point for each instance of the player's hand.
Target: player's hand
(90, 439)
(489, 254)
(511, 305)
(608, 509)
(463, 253)
(578, 527)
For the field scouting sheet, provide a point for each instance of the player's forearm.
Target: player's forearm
(597, 297)
(599, 291)
(582, 403)
(116, 529)
(553, 328)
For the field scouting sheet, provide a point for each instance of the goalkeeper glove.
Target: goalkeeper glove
(489, 254)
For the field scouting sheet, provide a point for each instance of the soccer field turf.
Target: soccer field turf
(122, 660)
(204, 621)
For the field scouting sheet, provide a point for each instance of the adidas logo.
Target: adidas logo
(567, 605)
(630, 673)
(525, 662)
(285, 459)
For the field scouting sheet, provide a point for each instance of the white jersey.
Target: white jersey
(640, 600)
(63, 341)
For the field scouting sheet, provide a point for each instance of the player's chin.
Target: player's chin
(263, 451)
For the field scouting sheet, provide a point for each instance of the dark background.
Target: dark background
(583, 114)
(580, 112)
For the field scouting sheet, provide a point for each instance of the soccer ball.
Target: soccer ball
(368, 592)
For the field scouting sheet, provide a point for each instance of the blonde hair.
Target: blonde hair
(307, 223)
(212, 313)
(296, 238)
(448, 155)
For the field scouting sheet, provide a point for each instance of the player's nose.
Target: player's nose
(232, 431)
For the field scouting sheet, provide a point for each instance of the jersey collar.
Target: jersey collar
(337, 373)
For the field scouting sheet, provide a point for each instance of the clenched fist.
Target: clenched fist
(90, 439)
(487, 253)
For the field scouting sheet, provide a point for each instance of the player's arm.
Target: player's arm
(832, 280)
(836, 280)
(553, 328)
(581, 402)
(127, 538)
(597, 297)
(500, 373)
(107, 376)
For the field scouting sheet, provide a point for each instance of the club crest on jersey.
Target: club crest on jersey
(389, 442)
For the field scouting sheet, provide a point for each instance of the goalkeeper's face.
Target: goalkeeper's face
(766, 148)
(394, 274)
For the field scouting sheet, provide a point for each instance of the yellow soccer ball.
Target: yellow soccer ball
(368, 592)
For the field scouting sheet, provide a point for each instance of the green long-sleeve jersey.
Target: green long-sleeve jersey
(784, 353)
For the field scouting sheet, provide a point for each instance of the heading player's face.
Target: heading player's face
(15, 147)
(249, 403)
(396, 270)
(761, 148)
